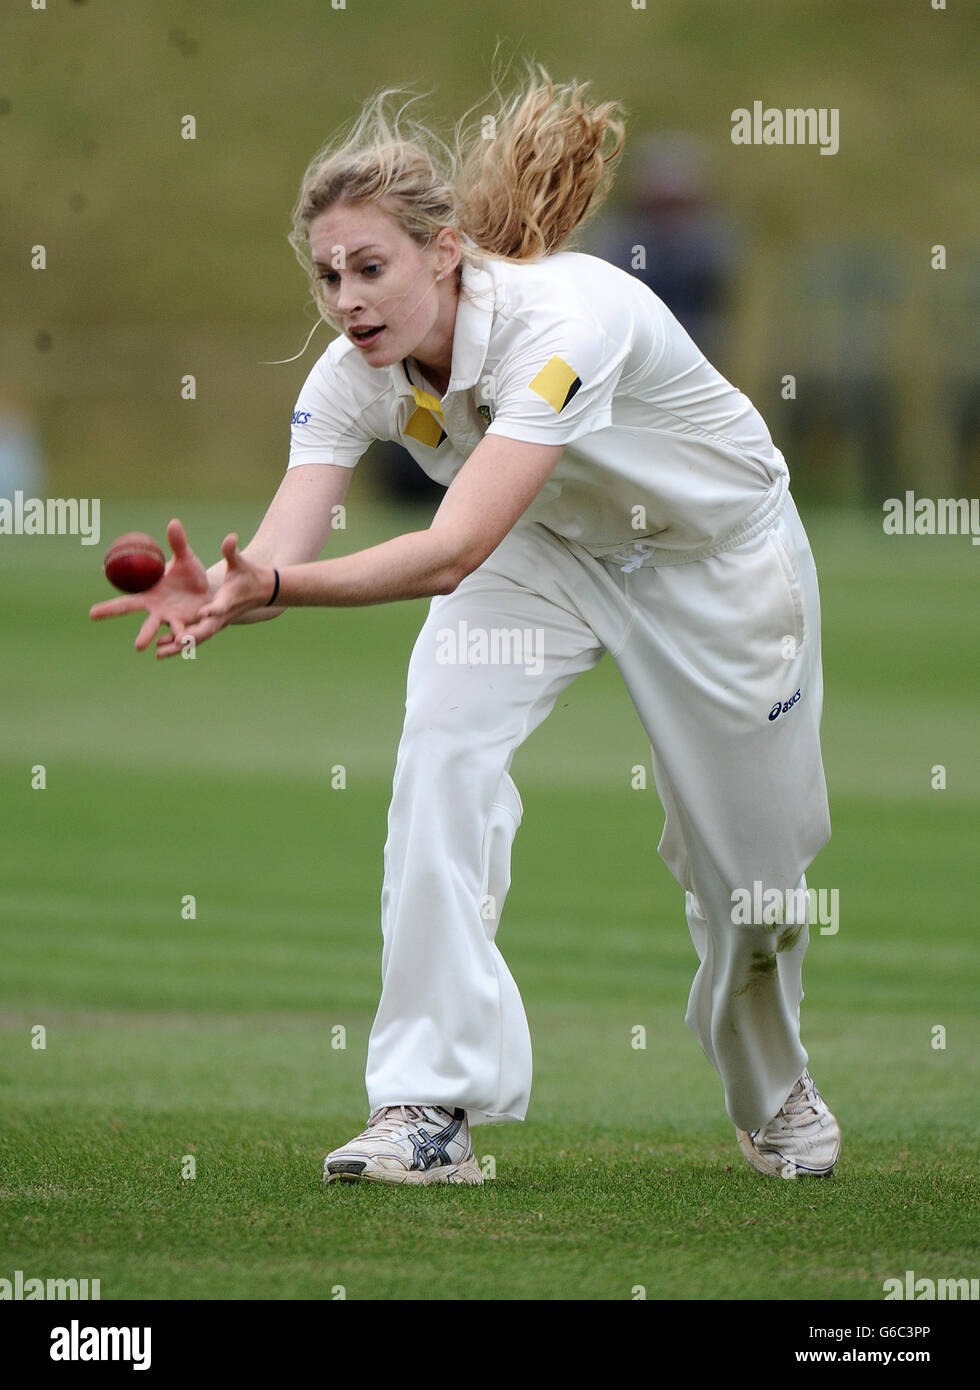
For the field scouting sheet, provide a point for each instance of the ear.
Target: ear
(449, 250)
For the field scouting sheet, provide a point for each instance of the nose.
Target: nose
(348, 299)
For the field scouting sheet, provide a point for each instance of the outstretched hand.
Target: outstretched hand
(244, 587)
(175, 600)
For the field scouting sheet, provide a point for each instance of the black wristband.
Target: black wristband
(275, 592)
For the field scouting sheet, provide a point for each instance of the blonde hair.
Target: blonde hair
(514, 185)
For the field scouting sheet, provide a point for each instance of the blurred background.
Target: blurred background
(255, 779)
(168, 256)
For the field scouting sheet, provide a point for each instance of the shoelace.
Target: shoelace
(801, 1106)
(384, 1122)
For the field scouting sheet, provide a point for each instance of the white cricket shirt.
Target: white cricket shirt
(658, 447)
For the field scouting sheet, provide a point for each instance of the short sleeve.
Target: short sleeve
(328, 421)
(558, 382)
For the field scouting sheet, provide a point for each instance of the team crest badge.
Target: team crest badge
(485, 412)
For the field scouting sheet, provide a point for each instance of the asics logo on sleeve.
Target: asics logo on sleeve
(781, 707)
(300, 417)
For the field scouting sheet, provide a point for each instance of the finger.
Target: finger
(229, 549)
(198, 630)
(167, 645)
(177, 540)
(148, 631)
(174, 635)
(112, 607)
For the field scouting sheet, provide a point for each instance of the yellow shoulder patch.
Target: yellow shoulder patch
(556, 383)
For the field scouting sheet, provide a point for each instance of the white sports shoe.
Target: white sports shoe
(408, 1143)
(804, 1138)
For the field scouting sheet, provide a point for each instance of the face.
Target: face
(381, 286)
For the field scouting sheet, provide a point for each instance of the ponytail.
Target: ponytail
(523, 192)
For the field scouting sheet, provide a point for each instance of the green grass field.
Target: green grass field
(212, 1037)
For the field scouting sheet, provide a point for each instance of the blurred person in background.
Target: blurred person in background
(667, 231)
(21, 459)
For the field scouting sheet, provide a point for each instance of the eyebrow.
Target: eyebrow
(372, 245)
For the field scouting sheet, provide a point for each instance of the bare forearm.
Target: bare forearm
(293, 530)
(482, 503)
(417, 564)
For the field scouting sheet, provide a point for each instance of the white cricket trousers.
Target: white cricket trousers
(708, 650)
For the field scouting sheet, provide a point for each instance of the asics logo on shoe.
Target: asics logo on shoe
(430, 1149)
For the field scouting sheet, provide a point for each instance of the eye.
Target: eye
(371, 268)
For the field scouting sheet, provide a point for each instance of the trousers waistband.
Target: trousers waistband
(639, 553)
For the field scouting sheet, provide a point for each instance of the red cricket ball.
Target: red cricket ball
(134, 562)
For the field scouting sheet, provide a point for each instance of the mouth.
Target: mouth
(365, 336)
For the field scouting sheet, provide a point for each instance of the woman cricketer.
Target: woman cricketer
(607, 491)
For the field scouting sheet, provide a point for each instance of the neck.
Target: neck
(434, 354)
(437, 379)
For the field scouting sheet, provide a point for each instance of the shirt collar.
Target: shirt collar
(471, 333)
